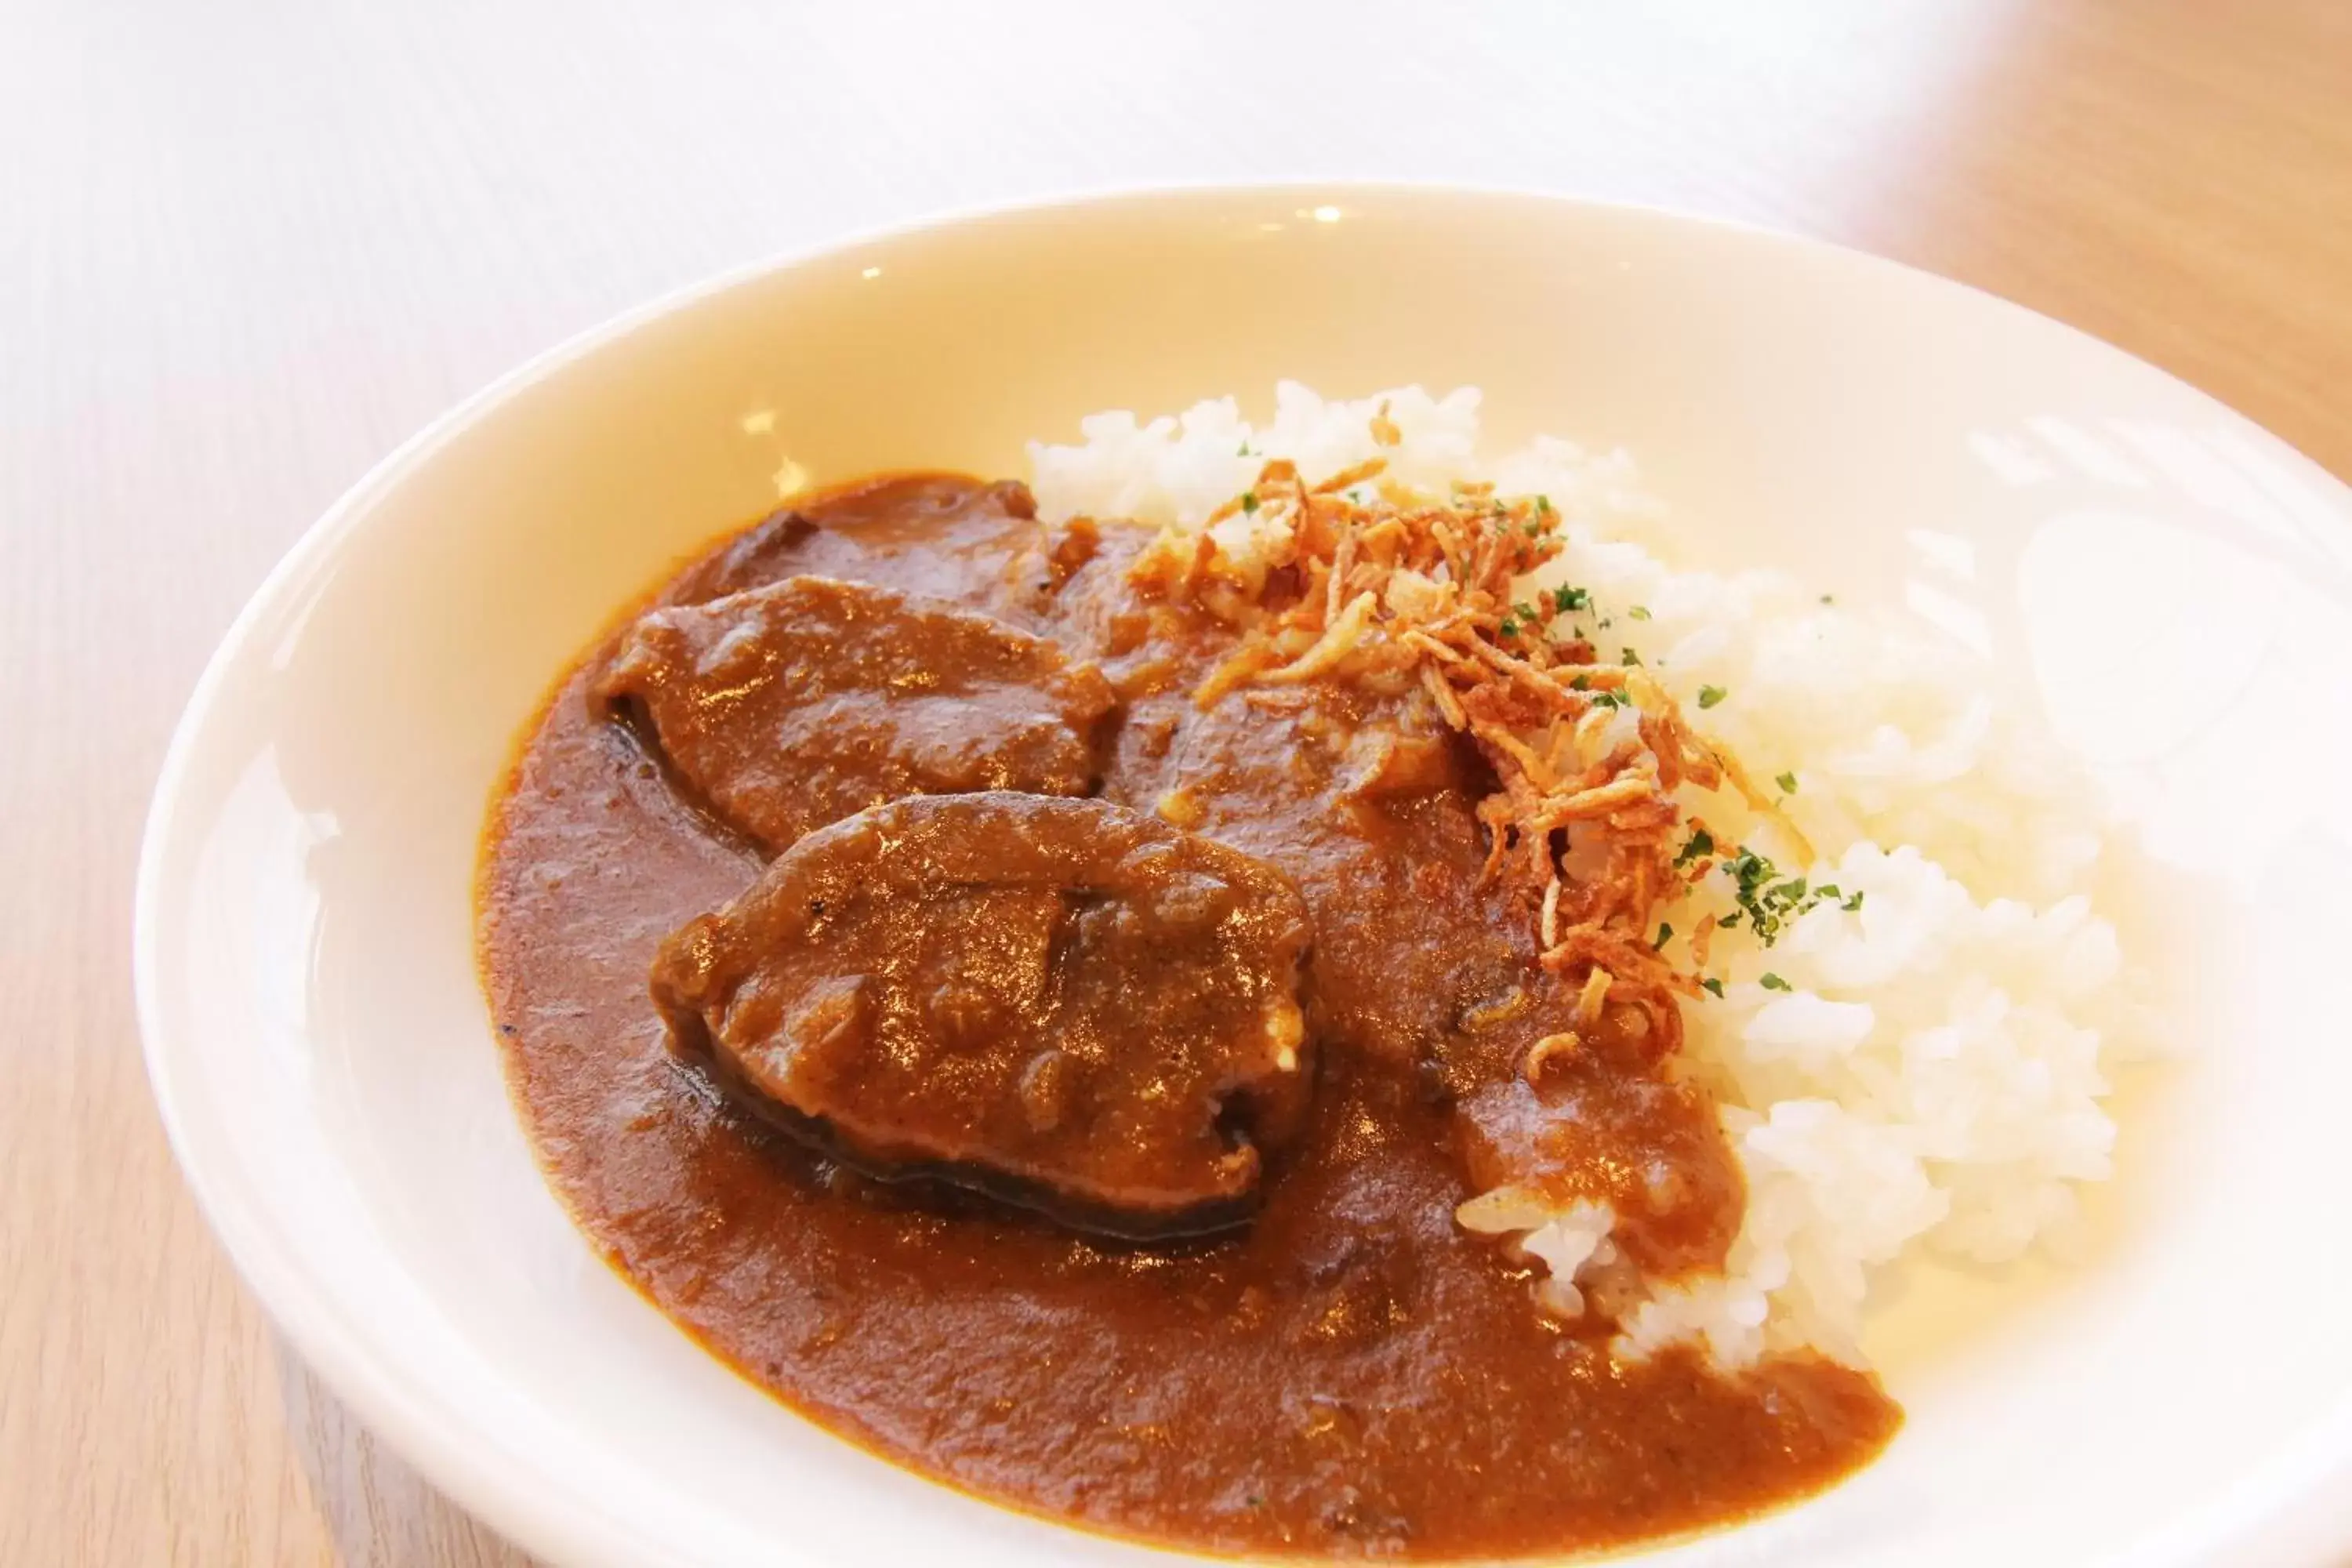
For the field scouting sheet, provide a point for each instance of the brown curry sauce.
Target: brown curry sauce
(1352, 1374)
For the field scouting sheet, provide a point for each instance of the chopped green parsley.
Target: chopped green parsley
(1766, 900)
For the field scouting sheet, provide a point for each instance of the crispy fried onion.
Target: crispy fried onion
(1361, 578)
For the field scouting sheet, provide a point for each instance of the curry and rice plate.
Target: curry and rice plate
(1296, 988)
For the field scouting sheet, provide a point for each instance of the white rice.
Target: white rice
(1925, 1072)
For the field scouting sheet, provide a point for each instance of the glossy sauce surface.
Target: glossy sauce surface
(1352, 1374)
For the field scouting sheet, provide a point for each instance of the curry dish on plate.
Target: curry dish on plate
(1183, 1038)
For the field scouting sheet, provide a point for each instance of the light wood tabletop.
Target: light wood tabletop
(246, 248)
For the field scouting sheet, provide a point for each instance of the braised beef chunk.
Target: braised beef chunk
(787, 707)
(896, 524)
(757, 555)
(1068, 1004)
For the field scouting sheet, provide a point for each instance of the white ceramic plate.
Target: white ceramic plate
(2175, 585)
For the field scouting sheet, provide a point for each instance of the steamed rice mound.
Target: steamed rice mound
(1918, 1060)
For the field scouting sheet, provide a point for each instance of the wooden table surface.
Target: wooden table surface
(246, 248)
